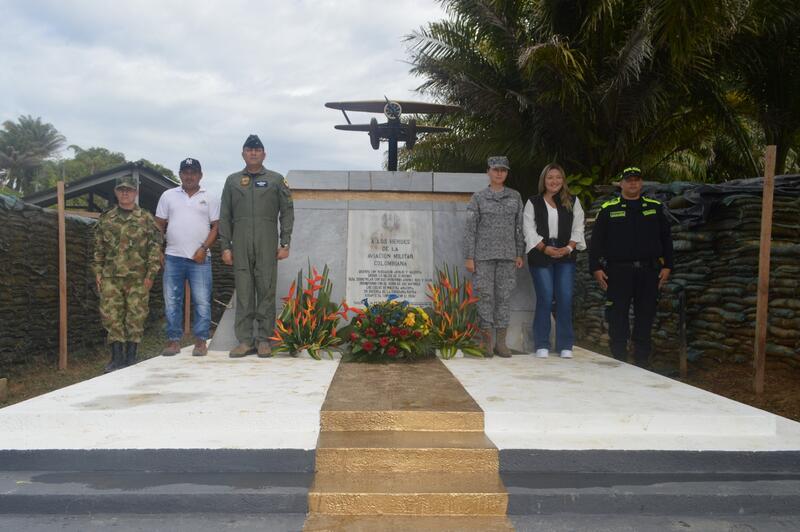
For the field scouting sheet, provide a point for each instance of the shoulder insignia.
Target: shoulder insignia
(648, 200)
(609, 203)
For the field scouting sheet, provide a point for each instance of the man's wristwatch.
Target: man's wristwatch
(284, 246)
(204, 247)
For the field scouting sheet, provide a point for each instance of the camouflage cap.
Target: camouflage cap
(127, 181)
(498, 161)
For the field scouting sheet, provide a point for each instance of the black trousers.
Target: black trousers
(629, 282)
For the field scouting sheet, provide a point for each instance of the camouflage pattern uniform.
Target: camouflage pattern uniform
(127, 250)
(494, 239)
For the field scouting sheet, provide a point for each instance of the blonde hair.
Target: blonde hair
(564, 195)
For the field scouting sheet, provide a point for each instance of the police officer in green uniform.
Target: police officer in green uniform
(127, 257)
(253, 201)
(630, 256)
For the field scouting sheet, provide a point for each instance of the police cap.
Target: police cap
(632, 172)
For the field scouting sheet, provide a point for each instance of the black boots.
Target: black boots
(117, 357)
(130, 353)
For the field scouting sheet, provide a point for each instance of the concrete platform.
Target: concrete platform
(593, 402)
(180, 402)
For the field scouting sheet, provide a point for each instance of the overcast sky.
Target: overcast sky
(164, 80)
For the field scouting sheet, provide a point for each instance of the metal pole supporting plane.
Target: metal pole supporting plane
(62, 279)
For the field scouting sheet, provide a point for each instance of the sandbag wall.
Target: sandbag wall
(716, 273)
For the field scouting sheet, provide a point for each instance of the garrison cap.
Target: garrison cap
(127, 181)
(253, 142)
(632, 171)
(190, 164)
(498, 161)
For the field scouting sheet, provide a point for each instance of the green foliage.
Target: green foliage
(597, 86)
(24, 147)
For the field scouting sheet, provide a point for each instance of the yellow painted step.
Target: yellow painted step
(405, 452)
(420, 494)
(336, 523)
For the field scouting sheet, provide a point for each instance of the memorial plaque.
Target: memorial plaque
(389, 252)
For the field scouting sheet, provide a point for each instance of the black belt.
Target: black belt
(645, 263)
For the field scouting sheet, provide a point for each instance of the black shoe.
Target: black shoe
(130, 353)
(117, 357)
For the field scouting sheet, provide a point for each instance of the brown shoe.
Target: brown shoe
(264, 349)
(200, 348)
(485, 342)
(241, 350)
(500, 347)
(171, 349)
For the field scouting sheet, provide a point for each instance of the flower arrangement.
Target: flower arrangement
(454, 314)
(390, 330)
(309, 317)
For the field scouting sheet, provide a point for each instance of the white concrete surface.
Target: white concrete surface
(179, 402)
(596, 402)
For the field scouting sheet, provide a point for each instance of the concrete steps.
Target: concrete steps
(416, 460)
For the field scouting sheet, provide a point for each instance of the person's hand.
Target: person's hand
(148, 283)
(550, 252)
(663, 277)
(518, 262)
(601, 278)
(200, 256)
(469, 264)
(98, 280)
(227, 257)
(563, 252)
(282, 253)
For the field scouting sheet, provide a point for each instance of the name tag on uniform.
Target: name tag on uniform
(649, 212)
(262, 183)
(617, 214)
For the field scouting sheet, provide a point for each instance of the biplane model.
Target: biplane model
(394, 129)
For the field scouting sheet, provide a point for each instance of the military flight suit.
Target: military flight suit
(127, 250)
(251, 205)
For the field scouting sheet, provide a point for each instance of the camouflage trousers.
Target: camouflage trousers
(494, 282)
(123, 308)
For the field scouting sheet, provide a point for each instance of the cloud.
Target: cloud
(163, 80)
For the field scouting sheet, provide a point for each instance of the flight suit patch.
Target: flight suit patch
(262, 183)
(245, 180)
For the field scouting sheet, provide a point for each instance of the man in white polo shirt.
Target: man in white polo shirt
(190, 216)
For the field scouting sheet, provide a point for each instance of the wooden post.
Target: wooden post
(62, 279)
(762, 299)
(684, 364)
(3, 389)
(187, 309)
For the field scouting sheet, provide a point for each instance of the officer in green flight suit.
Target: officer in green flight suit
(253, 201)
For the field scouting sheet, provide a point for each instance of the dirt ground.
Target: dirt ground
(781, 384)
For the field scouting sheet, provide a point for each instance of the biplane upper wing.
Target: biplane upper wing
(376, 106)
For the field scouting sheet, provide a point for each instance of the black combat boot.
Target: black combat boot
(117, 357)
(130, 353)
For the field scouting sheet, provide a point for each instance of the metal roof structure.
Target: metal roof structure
(151, 185)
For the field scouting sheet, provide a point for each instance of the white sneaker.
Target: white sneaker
(566, 353)
(542, 353)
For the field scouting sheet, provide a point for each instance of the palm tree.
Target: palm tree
(24, 145)
(596, 85)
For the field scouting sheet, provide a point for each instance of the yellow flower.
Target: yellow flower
(409, 321)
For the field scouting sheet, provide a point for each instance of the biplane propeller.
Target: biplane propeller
(394, 129)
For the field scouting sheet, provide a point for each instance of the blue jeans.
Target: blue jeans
(553, 282)
(177, 270)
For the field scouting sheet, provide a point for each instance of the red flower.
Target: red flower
(394, 331)
(404, 333)
(370, 332)
(392, 351)
(417, 334)
(353, 337)
(368, 346)
(378, 320)
(384, 341)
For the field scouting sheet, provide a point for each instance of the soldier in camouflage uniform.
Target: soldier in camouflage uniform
(253, 200)
(493, 247)
(127, 257)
